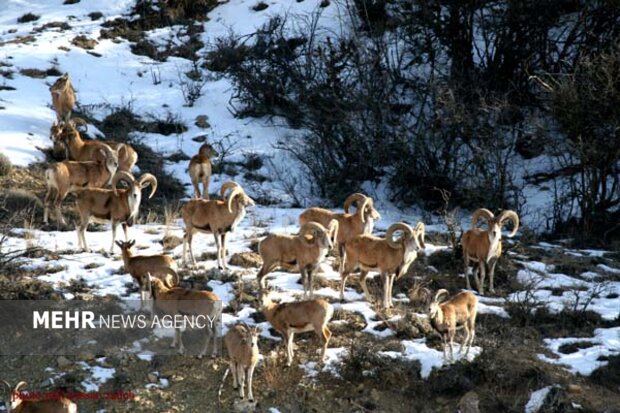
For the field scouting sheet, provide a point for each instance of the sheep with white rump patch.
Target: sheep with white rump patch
(69, 176)
(484, 247)
(391, 257)
(304, 251)
(218, 217)
(118, 206)
(349, 225)
(242, 345)
(448, 316)
(299, 317)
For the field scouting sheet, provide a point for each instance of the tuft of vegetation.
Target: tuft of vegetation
(67, 2)
(260, 6)
(5, 165)
(96, 15)
(28, 17)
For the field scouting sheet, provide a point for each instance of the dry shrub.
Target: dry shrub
(5, 165)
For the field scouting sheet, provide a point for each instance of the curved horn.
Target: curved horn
(439, 294)
(310, 226)
(481, 213)
(148, 179)
(356, 197)
(400, 226)
(237, 191)
(420, 230)
(9, 389)
(512, 216)
(226, 186)
(19, 386)
(122, 176)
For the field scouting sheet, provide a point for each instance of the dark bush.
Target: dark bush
(28, 17)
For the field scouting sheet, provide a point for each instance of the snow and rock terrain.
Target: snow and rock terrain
(539, 283)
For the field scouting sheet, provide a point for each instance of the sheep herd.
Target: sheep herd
(94, 169)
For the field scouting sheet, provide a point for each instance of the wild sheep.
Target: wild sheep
(299, 317)
(446, 317)
(84, 150)
(182, 301)
(242, 345)
(349, 225)
(118, 206)
(200, 169)
(140, 265)
(217, 217)
(305, 251)
(485, 246)
(390, 257)
(15, 404)
(63, 98)
(68, 176)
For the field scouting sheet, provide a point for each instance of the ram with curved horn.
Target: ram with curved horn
(15, 404)
(389, 256)
(69, 176)
(116, 206)
(218, 217)
(484, 246)
(447, 316)
(350, 225)
(304, 251)
(81, 150)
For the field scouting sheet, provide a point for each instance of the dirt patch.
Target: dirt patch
(40, 74)
(84, 42)
(246, 260)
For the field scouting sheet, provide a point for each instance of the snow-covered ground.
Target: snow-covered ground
(119, 77)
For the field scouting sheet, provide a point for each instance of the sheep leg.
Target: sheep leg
(466, 266)
(175, 339)
(344, 274)
(181, 346)
(233, 369)
(491, 273)
(241, 376)
(250, 375)
(224, 251)
(483, 270)
(125, 231)
(464, 343)
(114, 226)
(218, 246)
(386, 289)
(289, 349)
(451, 333)
(363, 275)
(82, 233)
(310, 274)
(214, 330)
(325, 336)
(304, 280)
(444, 343)
(205, 187)
(195, 183)
(391, 293)
(343, 253)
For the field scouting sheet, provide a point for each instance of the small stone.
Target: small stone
(469, 403)
(63, 362)
(153, 378)
(375, 395)
(575, 389)
(87, 356)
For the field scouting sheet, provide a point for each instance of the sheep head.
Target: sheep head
(434, 308)
(495, 223)
(411, 240)
(316, 234)
(237, 195)
(365, 207)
